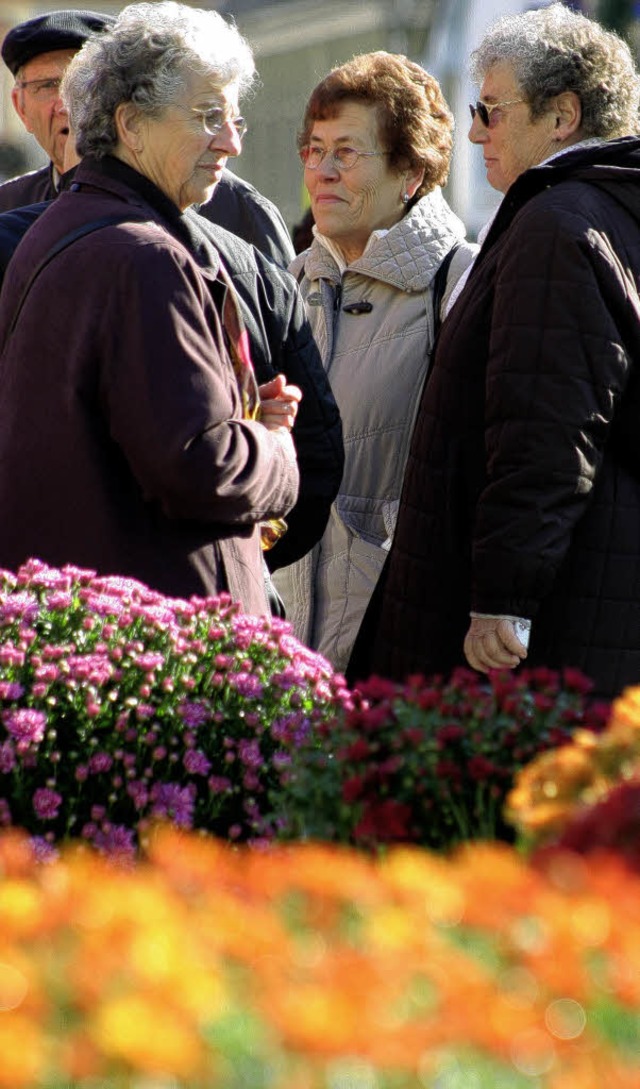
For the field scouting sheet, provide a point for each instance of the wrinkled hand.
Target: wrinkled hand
(492, 643)
(278, 404)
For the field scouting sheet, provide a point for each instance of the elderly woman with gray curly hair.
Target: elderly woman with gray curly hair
(520, 515)
(133, 437)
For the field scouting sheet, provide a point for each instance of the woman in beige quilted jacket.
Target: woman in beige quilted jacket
(376, 146)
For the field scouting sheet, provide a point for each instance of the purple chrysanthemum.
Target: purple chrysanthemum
(246, 685)
(196, 763)
(46, 803)
(193, 714)
(10, 690)
(100, 761)
(25, 724)
(218, 784)
(115, 839)
(7, 757)
(249, 753)
(174, 802)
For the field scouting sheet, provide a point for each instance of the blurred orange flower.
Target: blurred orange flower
(210, 967)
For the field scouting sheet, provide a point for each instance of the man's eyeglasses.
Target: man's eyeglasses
(44, 90)
(215, 119)
(485, 111)
(342, 158)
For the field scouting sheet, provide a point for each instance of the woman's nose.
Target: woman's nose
(227, 139)
(477, 132)
(327, 167)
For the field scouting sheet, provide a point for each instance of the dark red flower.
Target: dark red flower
(352, 788)
(543, 701)
(384, 822)
(377, 688)
(446, 769)
(577, 681)
(480, 769)
(450, 733)
(614, 824)
(359, 750)
(428, 699)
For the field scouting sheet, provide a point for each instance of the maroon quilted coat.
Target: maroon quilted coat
(522, 491)
(122, 443)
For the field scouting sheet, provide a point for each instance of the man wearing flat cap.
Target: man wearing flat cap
(37, 53)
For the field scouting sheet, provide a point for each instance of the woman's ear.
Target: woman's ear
(128, 127)
(568, 114)
(412, 181)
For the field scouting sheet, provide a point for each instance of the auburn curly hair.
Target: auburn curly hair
(415, 124)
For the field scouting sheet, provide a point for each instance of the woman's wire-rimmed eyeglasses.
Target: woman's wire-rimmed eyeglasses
(342, 158)
(214, 120)
(484, 110)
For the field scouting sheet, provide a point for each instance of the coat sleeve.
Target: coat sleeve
(317, 433)
(172, 402)
(557, 367)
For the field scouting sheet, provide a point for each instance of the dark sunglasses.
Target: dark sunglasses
(484, 110)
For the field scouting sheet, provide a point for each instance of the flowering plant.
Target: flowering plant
(430, 761)
(585, 795)
(309, 966)
(119, 705)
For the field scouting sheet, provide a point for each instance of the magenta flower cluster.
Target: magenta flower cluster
(119, 706)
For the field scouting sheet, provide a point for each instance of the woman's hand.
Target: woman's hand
(278, 404)
(492, 643)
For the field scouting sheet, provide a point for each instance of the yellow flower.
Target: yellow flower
(22, 1052)
(145, 1034)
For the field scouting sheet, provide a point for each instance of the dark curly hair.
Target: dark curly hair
(415, 124)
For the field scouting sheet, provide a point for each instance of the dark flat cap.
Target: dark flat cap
(45, 33)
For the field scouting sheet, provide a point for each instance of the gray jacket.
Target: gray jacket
(374, 325)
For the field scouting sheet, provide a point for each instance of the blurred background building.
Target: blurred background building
(296, 42)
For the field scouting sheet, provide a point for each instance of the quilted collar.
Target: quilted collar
(407, 256)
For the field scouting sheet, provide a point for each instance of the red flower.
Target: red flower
(358, 751)
(577, 681)
(546, 678)
(613, 824)
(480, 769)
(384, 822)
(428, 699)
(352, 788)
(446, 769)
(542, 701)
(377, 688)
(449, 733)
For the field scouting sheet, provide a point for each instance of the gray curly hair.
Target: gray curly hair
(555, 49)
(144, 58)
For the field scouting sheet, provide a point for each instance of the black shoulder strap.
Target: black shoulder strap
(440, 286)
(61, 244)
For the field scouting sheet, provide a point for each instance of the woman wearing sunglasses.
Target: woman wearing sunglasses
(520, 517)
(375, 147)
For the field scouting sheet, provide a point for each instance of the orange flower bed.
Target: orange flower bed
(309, 966)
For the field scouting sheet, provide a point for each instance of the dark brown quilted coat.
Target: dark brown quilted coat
(522, 490)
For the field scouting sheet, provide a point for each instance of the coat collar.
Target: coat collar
(113, 176)
(607, 165)
(407, 256)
